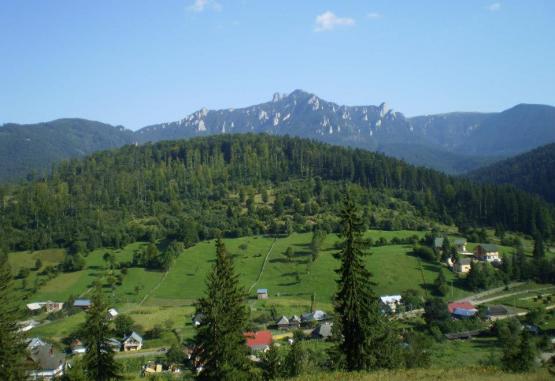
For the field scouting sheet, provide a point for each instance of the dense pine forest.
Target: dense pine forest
(204, 187)
(532, 171)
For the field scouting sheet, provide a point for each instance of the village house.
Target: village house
(82, 303)
(317, 315)
(294, 322)
(115, 344)
(47, 363)
(438, 243)
(259, 341)
(496, 312)
(462, 266)
(77, 347)
(48, 306)
(487, 253)
(283, 323)
(133, 342)
(322, 331)
(27, 325)
(390, 303)
(460, 245)
(462, 310)
(262, 293)
(112, 313)
(34, 343)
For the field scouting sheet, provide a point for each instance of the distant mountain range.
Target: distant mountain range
(454, 142)
(532, 171)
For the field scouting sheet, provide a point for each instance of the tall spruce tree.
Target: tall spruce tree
(362, 334)
(539, 249)
(12, 349)
(440, 284)
(99, 362)
(220, 344)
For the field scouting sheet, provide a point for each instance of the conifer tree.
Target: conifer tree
(12, 350)
(296, 360)
(220, 344)
(441, 284)
(271, 364)
(539, 249)
(360, 328)
(98, 361)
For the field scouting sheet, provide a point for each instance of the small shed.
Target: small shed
(262, 293)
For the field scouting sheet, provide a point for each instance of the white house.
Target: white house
(112, 313)
(133, 342)
(390, 303)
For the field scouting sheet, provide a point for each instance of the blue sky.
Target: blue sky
(139, 62)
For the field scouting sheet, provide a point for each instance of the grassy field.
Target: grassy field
(166, 299)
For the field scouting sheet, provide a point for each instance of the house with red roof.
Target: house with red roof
(462, 310)
(259, 341)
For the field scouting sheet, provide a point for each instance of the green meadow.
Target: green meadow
(157, 298)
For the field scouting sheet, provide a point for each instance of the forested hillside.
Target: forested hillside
(533, 172)
(241, 185)
(33, 148)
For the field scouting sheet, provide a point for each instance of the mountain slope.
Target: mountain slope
(203, 187)
(533, 171)
(35, 147)
(454, 143)
(516, 130)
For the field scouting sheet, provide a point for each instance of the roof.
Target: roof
(34, 306)
(114, 342)
(489, 247)
(283, 320)
(262, 291)
(462, 305)
(323, 330)
(294, 319)
(463, 335)
(388, 299)
(259, 338)
(307, 316)
(438, 241)
(460, 241)
(464, 261)
(464, 312)
(319, 315)
(82, 303)
(113, 312)
(34, 342)
(497, 310)
(135, 336)
(46, 357)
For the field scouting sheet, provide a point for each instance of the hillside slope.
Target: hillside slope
(199, 188)
(33, 148)
(533, 171)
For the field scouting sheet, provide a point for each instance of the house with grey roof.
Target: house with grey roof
(322, 331)
(47, 362)
(462, 266)
(133, 342)
(487, 253)
(283, 323)
(294, 322)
